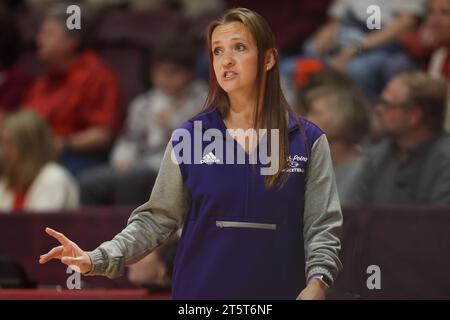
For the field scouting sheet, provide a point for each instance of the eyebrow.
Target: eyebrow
(234, 38)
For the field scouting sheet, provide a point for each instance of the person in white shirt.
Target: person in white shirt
(136, 156)
(361, 39)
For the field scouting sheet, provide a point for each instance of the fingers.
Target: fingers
(52, 254)
(73, 263)
(58, 236)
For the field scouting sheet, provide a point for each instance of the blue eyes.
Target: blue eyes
(238, 47)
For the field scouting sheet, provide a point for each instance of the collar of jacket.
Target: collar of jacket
(211, 118)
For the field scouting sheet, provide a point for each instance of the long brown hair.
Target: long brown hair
(33, 142)
(271, 101)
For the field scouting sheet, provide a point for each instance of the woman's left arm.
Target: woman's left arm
(322, 221)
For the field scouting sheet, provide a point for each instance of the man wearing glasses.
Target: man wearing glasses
(411, 165)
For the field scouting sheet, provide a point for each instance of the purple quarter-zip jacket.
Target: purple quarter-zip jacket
(239, 239)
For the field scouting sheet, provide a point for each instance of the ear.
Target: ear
(270, 58)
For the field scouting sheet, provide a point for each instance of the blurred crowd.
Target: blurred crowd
(85, 114)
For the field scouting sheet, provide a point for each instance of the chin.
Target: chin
(229, 88)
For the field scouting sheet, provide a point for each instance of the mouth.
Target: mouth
(229, 75)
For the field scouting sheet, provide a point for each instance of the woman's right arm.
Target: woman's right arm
(148, 226)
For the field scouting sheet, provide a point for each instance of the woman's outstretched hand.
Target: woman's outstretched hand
(68, 252)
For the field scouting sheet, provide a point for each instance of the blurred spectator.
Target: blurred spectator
(13, 80)
(78, 96)
(438, 25)
(154, 271)
(31, 181)
(152, 116)
(420, 44)
(369, 56)
(412, 164)
(342, 112)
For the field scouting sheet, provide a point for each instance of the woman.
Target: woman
(242, 232)
(31, 181)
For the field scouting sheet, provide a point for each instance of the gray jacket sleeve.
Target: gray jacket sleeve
(148, 226)
(323, 216)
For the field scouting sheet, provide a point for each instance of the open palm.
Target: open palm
(68, 252)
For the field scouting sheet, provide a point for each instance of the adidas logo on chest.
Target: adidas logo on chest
(210, 158)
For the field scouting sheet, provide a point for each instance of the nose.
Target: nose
(228, 60)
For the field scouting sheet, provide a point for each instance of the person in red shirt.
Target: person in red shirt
(78, 96)
(437, 27)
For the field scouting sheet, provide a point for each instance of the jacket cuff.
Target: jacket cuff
(320, 270)
(98, 263)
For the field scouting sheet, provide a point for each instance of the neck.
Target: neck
(63, 64)
(343, 152)
(242, 111)
(413, 138)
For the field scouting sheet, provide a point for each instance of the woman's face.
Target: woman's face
(235, 58)
(438, 20)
